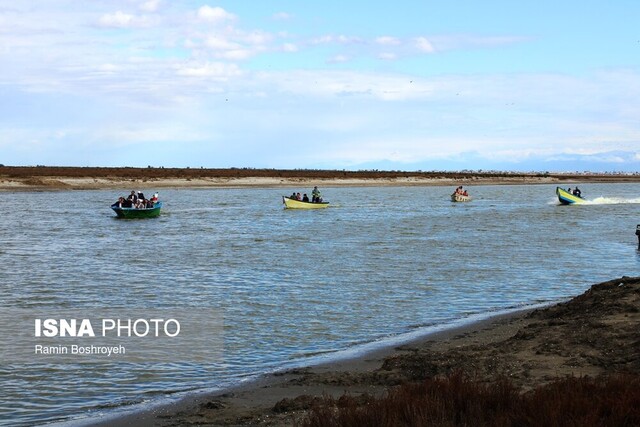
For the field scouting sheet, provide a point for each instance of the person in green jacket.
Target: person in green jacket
(315, 195)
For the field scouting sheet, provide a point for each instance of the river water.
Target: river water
(287, 285)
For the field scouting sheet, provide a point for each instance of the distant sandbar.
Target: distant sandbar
(88, 178)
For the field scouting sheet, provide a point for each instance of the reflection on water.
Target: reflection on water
(292, 284)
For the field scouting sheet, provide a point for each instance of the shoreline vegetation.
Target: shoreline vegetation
(572, 363)
(44, 178)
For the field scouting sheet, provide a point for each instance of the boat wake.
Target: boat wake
(611, 201)
(601, 201)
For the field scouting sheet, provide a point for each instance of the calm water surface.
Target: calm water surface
(291, 285)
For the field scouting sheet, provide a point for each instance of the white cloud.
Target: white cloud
(224, 48)
(217, 70)
(338, 59)
(388, 41)
(237, 54)
(390, 47)
(322, 40)
(289, 47)
(220, 43)
(256, 38)
(387, 56)
(150, 5)
(121, 19)
(214, 14)
(365, 86)
(340, 39)
(233, 44)
(108, 68)
(424, 45)
(118, 19)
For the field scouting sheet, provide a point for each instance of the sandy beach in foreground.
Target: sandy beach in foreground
(594, 334)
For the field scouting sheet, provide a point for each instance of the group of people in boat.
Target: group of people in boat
(460, 191)
(136, 200)
(316, 197)
(576, 192)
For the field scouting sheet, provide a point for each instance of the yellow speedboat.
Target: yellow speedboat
(567, 198)
(298, 204)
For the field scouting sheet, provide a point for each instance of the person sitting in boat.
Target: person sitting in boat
(148, 204)
(293, 196)
(464, 193)
(133, 197)
(305, 198)
(298, 196)
(577, 192)
(120, 203)
(315, 195)
(154, 198)
(141, 195)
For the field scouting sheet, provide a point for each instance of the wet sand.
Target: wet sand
(594, 334)
(86, 178)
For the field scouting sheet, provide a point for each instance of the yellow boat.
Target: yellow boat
(567, 198)
(298, 204)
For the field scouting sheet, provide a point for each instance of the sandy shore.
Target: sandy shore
(594, 334)
(65, 183)
(54, 178)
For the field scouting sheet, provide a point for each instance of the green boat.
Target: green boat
(135, 213)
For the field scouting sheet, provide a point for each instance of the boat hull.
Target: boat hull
(567, 198)
(133, 213)
(460, 198)
(297, 204)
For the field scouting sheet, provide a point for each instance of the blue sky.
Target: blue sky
(412, 85)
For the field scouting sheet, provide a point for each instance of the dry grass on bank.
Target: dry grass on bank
(26, 172)
(150, 173)
(459, 401)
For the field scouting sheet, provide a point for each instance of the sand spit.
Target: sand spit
(70, 178)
